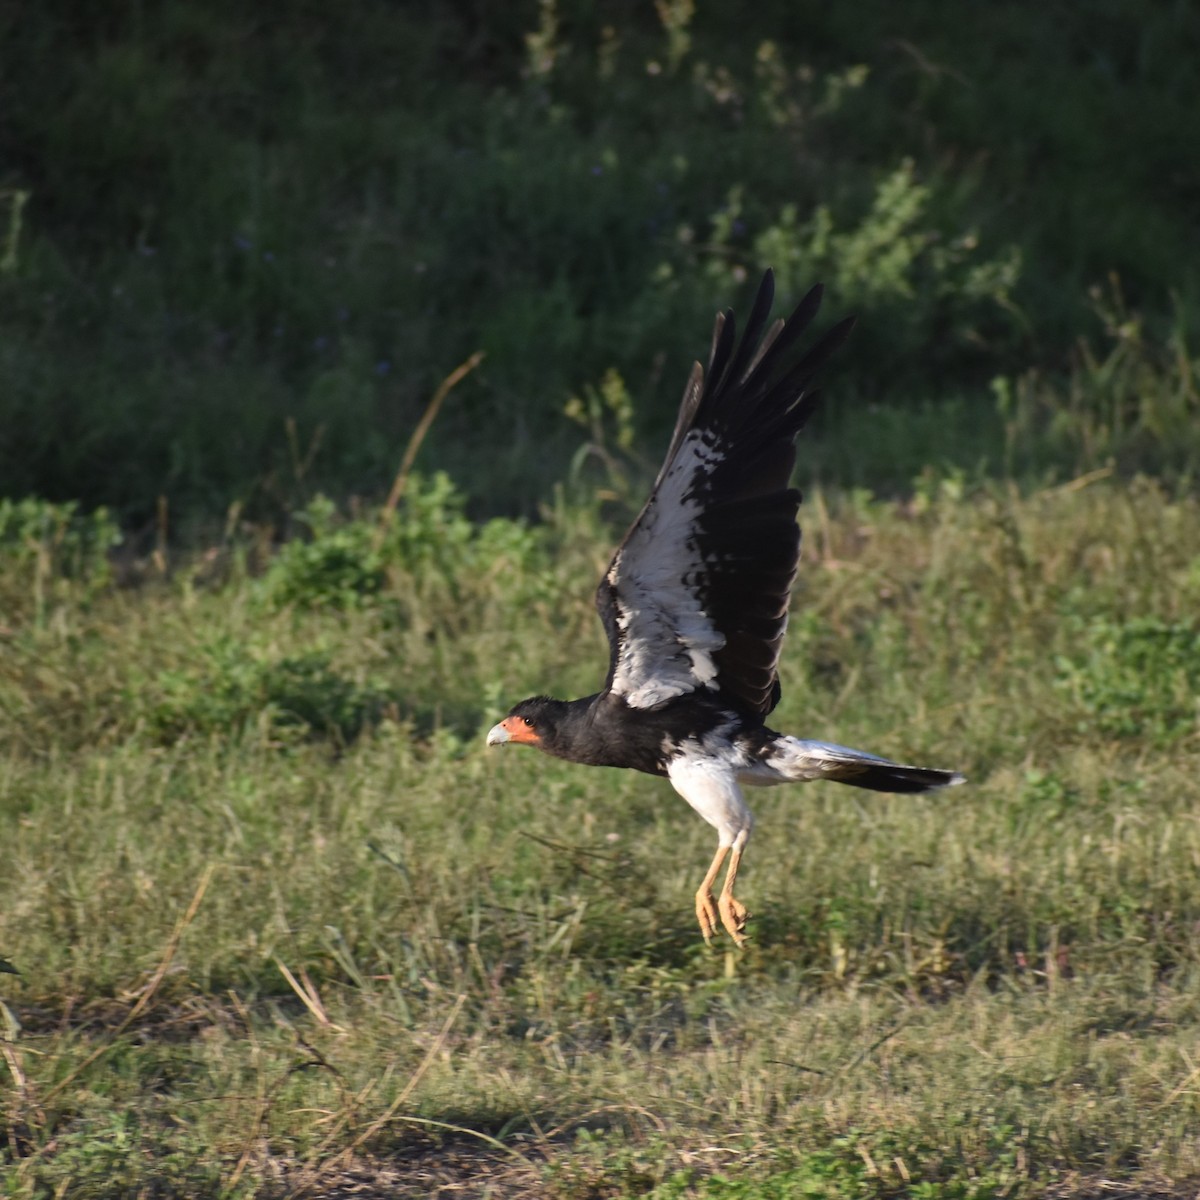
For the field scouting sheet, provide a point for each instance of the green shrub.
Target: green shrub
(909, 278)
(337, 565)
(342, 563)
(232, 690)
(49, 551)
(1138, 678)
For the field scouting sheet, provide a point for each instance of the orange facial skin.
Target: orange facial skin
(520, 731)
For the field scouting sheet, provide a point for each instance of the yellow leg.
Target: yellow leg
(733, 912)
(706, 908)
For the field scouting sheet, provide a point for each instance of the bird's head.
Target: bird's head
(533, 722)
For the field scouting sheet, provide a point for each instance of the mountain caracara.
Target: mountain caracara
(695, 606)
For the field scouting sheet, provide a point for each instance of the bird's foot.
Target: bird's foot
(706, 913)
(730, 911)
(733, 917)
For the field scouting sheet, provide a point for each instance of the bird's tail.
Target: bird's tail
(794, 758)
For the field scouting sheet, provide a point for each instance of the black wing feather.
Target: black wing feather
(697, 593)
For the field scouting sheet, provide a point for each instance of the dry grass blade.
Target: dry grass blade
(390, 1113)
(652, 1118)
(418, 436)
(1082, 481)
(12, 1056)
(307, 994)
(467, 1131)
(151, 988)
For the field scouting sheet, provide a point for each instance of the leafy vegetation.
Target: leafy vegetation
(239, 252)
(1139, 677)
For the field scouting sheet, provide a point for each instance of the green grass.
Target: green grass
(283, 927)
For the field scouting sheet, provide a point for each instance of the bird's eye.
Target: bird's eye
(527, 721)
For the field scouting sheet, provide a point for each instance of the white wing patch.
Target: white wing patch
(667, 640)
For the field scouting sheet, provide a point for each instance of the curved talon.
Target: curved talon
(733, 917)
(706, 913)
(706, 908)
(731, 911)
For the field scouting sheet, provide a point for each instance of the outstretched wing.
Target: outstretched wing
(696, 595)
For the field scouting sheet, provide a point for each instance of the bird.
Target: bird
(695, 606)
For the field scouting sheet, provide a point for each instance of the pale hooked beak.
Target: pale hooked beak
(497, 735)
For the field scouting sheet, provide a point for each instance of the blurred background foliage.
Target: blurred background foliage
(242, 245)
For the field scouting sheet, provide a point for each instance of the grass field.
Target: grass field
(284, 927)
(273, 923)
